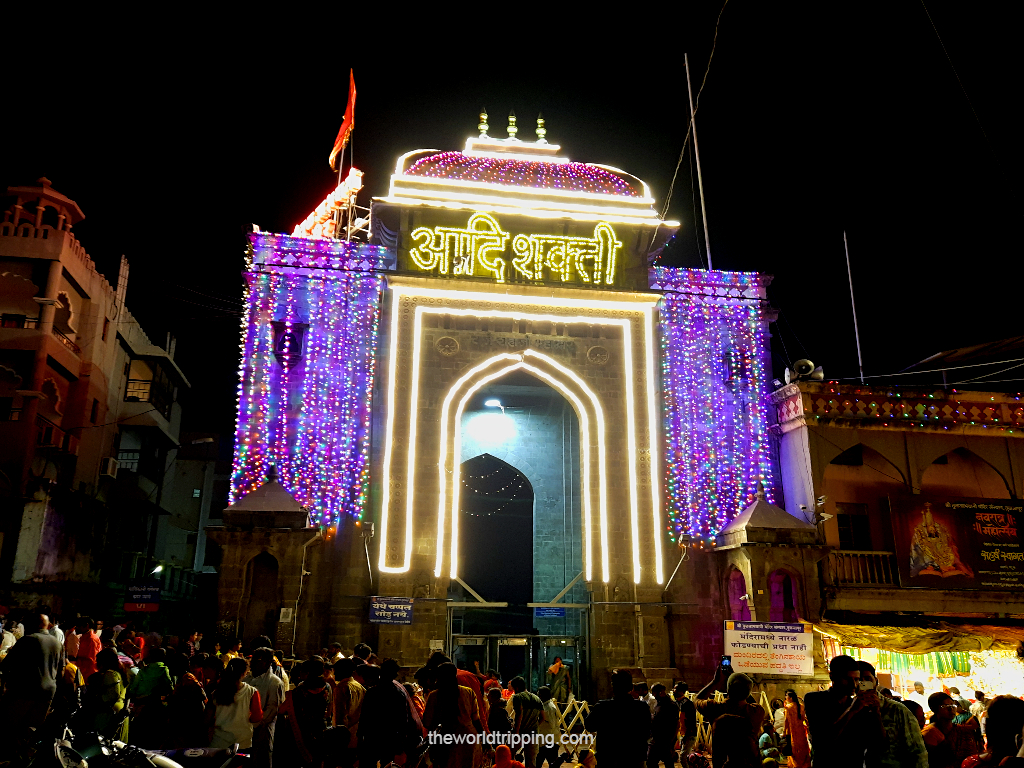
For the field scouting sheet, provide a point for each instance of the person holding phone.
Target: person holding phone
(737, 688)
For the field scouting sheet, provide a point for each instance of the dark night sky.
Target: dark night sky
(815, 118)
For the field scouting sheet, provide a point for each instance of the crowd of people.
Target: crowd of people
(339, 710)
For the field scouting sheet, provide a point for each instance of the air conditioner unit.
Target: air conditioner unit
(108, 467)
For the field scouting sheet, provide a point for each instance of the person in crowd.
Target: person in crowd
(361, 652)
(149, 691)
(559, 681)
(828, 713)
(731, 742)
(503, 758)
(88, 646)
(68, 699)
(549, 728)
(416, 694)
(664, 729)
(271, 691)
(334, 654)
(622, 725)
(105, 700)
(915, 709)
(526, 713)
(687, 718)
(71, 639)
(235, 708)
(642, 693)
(234, 651)
(980, 702)
(948, 744)
(191, 644)
(452, 709)
(963, 703)
(348, 702)
(919, 695)
(794, 731)
(30, 673)
(389, 726)
(768, 745)
(312, 705)
(1005, 728)
(778, 714)
(497, 717)
(186, 707)
(7, 639)
(737, 687)
(899, 745)
(55, 629)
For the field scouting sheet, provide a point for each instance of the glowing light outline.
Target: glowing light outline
(400, 290)
(652, 426)
(585, 428)
(441, 469)
(388, 446)
(537, 213)
(633, 201)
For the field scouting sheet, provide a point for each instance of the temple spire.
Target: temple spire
(512, 130)
(541, 130)
(483, 127)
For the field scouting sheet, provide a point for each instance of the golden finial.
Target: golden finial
(483, 124)
(512, 130)
(541, 130)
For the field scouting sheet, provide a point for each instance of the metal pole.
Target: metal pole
(853, 306)
(696, 155)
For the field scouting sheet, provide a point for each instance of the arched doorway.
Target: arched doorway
(784, 597)
(858, 484)
(496, 543)
(263, 603)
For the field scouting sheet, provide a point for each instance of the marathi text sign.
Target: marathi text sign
(770, 648)
(944, 542)
(390, 610)
(143, 597)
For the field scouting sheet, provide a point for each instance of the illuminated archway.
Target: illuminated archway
(592, 445)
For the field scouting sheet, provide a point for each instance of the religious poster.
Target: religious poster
(956, 543)
(770, 648)
(390, 610)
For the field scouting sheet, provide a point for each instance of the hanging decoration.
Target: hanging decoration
(309, 343)
(715, 376)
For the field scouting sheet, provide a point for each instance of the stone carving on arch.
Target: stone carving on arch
(590, 414)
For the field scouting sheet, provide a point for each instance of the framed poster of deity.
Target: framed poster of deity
(946, 542)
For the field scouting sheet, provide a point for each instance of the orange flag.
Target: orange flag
(346, 125)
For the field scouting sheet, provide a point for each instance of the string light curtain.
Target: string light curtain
(309, 343)
(715, 384)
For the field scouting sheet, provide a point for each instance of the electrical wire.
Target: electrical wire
(969, 102)
(696, 105)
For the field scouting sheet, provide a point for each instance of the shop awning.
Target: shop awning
(938, 637)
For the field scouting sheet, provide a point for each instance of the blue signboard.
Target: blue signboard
(549, 613)
(391, 610)
(143, 596)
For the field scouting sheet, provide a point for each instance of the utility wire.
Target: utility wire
(969, 102)
(689, 123)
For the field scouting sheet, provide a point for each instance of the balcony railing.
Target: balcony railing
(847, 568)
(67, 342)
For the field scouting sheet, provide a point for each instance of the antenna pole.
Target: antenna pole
(853, 306)
(696, 155)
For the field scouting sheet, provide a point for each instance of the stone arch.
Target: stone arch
(857, 484)
(785, 595)
(590, 414)
(261, 596)
(962, 472)
(735, 587)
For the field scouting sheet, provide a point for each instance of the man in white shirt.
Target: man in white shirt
(55, 629)
(919, 696)
(271, 690)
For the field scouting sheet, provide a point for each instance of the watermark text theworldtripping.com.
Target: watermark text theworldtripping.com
(513, 740)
